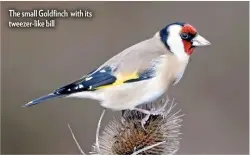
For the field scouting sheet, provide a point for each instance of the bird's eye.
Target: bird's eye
(184, 36)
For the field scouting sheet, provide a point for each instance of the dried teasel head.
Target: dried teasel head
(127, 137)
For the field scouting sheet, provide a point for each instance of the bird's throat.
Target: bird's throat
(188, 47)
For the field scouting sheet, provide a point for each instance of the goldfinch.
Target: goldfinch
(139, 74)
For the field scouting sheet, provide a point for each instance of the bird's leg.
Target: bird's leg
(144, 120)
(147, 112)
(153, 111)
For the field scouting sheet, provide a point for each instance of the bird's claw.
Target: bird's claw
(154, 111)
(144, 121)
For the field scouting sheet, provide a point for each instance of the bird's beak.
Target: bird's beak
(198, 40)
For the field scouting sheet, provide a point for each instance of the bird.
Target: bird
(138, 74)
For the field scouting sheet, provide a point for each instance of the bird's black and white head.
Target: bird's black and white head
(181, 39)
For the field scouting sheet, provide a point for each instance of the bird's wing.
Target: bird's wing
(136, 63)
(99, 79)
(89, 82)
(103, 78)
(132, 65)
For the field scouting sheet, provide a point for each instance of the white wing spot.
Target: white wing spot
(80, 86)
(88, 78)
(90, 87)
(76, 87)
(102, 71)
(69, 89)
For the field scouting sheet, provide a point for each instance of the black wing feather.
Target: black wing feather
(96, 79)
(99, 78)
(147, 74)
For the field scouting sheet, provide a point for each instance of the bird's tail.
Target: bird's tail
(63, 91)
(43, 98)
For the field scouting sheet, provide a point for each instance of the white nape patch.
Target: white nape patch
(102, 71)
(80, 86)
(175, 42)
(88, 78)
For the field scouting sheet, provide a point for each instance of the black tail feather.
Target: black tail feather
(42, 99)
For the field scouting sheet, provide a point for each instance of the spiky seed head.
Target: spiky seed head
(126, 136)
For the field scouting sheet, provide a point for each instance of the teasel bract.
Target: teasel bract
(160, 135)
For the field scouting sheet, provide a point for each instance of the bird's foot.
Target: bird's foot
(153, 111)
(144, 121)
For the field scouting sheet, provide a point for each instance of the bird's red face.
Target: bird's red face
(191, 38)
(188, 32)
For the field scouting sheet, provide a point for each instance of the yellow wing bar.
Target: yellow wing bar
(121, 78)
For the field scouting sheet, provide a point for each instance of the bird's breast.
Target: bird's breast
(170, 69)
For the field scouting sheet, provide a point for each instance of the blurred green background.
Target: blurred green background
(213, 92)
